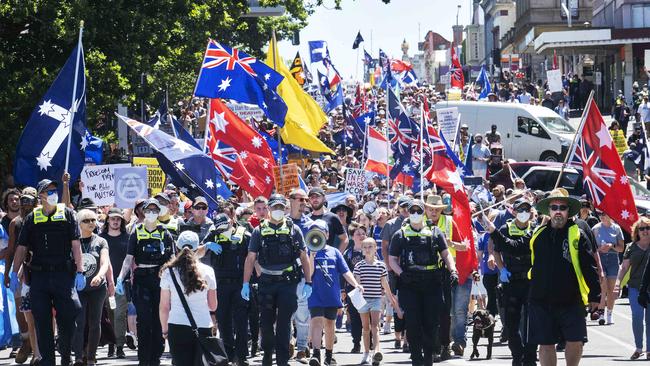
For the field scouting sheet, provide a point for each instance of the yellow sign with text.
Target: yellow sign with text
(155, 175)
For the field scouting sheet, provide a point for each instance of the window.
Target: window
(522, 124)
(640, 16)
(534, 129)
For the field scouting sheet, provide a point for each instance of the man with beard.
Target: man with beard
(334, 225)
(563, 280)
(199, 222)
(11, 205)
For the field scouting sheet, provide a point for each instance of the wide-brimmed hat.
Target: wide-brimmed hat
(559, 194)
(434, 201)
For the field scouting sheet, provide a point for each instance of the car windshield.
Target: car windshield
(557, 125)
(638, 189)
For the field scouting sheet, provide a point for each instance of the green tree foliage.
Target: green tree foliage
(122, 39)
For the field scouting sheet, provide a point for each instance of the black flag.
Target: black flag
(357, 41)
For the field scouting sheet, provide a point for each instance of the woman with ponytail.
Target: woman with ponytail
(198, 285)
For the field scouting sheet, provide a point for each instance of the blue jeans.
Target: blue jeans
(301, 318)
(459, 307)
(638, 316)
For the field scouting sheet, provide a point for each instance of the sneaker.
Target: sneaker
(366, 359)
(301, 357)
(458, 349)
(120, 352)
(398, 344)
(314, 361)
(356, 349)
(111, 350)
(436, 358)
(377, 358)
(609, 318)
(330, 362)
(130, 341)
(601, 319)
(387, 328)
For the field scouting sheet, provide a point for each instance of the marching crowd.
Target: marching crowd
(280, 275)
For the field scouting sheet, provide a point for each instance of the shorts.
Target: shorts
(609, 261)
(328, 313)
(131, 310)
(373, 304)
(548, 323)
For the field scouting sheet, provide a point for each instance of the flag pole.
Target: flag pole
(387, 140)
(275, 51)
(169, 117)
(573, 143)
(356, 69)
(422, 127)
(207, 125)
(73, 105)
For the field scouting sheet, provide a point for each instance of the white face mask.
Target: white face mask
(416, 218)
(150, 217)
(52, 199)
(523, 216)
(163, 210)
(277, 215)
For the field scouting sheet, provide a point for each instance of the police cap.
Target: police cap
(221, 222)
(43, 184)
(277, 199)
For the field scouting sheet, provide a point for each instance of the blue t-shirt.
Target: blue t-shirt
(303, 223)
(376, 234)
(483, 245)
(329, 266)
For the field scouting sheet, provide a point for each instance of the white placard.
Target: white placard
(448, 120)
(355, 182)
(131, 184)
(357, 298)
(554, 78)
(98, 183)
(246, 111)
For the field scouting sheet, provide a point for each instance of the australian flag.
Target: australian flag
(41, 149)
(190, 165)
(367, 59)
(386, 73)
(402, 132)
(229, 73)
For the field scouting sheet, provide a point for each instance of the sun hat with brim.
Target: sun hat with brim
(434, 201)
(559, 194)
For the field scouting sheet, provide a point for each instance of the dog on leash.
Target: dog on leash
(483, 325)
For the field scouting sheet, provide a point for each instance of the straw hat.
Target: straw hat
(559, 194)
(434, 201)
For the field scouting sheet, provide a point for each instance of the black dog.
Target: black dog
(483, 328)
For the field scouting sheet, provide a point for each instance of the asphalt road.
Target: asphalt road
(608, 345)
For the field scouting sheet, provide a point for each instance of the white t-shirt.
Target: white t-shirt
(197, 301)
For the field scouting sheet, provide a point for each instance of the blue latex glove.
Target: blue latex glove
(119, 287)
(13, 281)
(80, 281)
(306, 290)
(246, 291)
(216, 248)
(504, 275)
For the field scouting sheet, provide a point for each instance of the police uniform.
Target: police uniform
(52, 271)
(278, 246)
(232, 311)
(443, 337)
(420, 287)
(513, 244)
(172, 225)
(150, 250)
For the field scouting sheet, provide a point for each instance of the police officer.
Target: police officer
(276, 244)
(414, 254)
(512, 255)
(228, 247)
(150, 246)
(166, 218)
(51, 235)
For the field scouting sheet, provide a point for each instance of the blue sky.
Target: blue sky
(389, 24)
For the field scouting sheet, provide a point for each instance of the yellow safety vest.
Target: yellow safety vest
(236, 238)
(514, 230)
(446, 225)
(172, 224)
(142, 233)
(267, 230)
(40, 217)
(574, 239)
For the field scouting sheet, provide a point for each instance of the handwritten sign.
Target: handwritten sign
(554, 78)
(289, 179)
(448, 120)
(99, 184)
(155, 175)
(355, 182)
(130, 185)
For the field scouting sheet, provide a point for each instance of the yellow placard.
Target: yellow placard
(155, 175)
(619, 141)
(289, 179)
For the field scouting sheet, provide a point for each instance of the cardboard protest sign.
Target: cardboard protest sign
(289, 179)
(98, 183)
(155, 175)
(130, 185)
(355, 182)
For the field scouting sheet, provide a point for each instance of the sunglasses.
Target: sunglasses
(523, 209)
(301, 199)
(26, 201)
(150, 211)
(88, 221)
(558, 207)
(201, 208)
(415, 212)
(644, 228)
(600, 213)
(51, 192)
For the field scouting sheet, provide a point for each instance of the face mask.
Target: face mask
(416, 218)
(52, 199)
(163, 210)
(150, 217)
(523, 216)
(277, 215)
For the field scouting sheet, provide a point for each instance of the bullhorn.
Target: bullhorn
(315, 240)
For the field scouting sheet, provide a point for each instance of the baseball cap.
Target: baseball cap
(44, 184)
(200, 199)
(29, 191)
(162, 195)
(149, 202)
(319, 225)
(316, 190)
(416, 203)
(403, 201)
(521, 202)
(221, 222)
(115, 212)
(87, 203)
(188, 239)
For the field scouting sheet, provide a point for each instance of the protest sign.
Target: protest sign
(246, 111)
(98, 183)
(448, 120)
(289, 179)
(130, 185)
(355, 182)
(155, 175)
(554, 78)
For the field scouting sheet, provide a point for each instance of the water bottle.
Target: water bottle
(111, 302)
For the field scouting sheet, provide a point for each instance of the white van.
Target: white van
(528, 132)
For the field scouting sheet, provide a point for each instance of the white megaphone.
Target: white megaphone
(315, 240)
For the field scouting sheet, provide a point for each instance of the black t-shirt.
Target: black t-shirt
(117, 246)
(333, 224)
(91, 249)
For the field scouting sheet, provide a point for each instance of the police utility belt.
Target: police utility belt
(289, 274)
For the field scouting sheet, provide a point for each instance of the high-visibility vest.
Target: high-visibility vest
(446, 225)
(574, 239)
(40, 217)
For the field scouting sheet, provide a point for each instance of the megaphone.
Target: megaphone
(315, 240)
